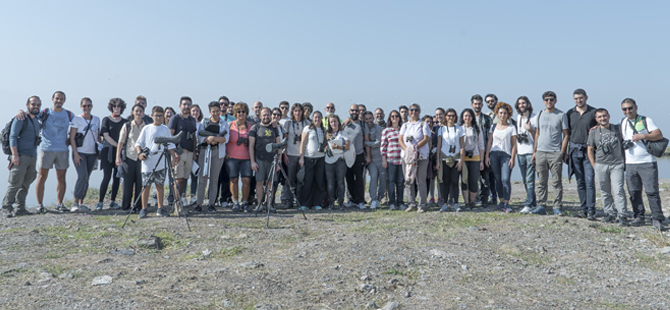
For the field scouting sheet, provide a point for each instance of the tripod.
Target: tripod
(269, 187)
(170, 175)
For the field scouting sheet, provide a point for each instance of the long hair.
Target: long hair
(389, 122)
(504, 105)
(302, 115)
(444, 119)
(312, 125)
(200, 117)
(473, 122)
(529, 108)
(329, 130)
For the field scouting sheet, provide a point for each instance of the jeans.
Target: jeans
(356, 179)
(528, 177)
(377, 180)
(586, 187)
(132, 177)
(545, 162)
(224, 184)
(610, 179)
(335, 181)
(502, 171)
(421, 185)
(449, 183)
(84, 171)
(20, 178)
(646, 174)
(395, 184)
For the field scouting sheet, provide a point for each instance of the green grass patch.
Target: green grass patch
(13, 272)
(610, 229)
(54, 269)
(655, 262)
(53, 255)
(170, 241)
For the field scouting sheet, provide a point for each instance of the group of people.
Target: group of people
(327, 157)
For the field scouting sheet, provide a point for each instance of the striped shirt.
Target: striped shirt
(390, 146)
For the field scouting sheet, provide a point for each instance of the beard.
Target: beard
(34, 111)
(265, 122)
(354, 117)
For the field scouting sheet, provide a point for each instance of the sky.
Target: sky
(379, 53)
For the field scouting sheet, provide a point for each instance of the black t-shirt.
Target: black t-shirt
(581, 124)
(178, 123)
(264, 135)
(112, 128)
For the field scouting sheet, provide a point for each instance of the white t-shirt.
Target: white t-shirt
(90, 140)
(314, 139)
(450, 136)
(525, 148)
(502, 139)
(417, 132)
(637, 154)
(146, 139)
(343, 137)
(292, 129)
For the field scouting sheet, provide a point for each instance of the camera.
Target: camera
(38, 140)
(469, 153)
(522, 138)
(409, 139)
(244, 140)
(324, 146)
(606, 148)
(144, 151)
(297, 138)
(627, 144)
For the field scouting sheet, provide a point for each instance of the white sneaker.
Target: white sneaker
(184, 203)
(457, 208)
(349, 204)
(391, 207)
(373, 205)
(525, 210)
(362, 206)
(445, 208)
(194, 200)
(75, 207)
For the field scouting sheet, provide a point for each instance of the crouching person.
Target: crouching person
(150, 160)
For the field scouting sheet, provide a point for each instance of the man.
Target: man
(150, 161)
(184, 122)
(361, 110)
(525, 143)
(141, 100)
(641, 167)
(581, 118)
(439, 117)
(23, 139)
(379, 118)
(256, 117)
(404, 113)
(357, 133)
(551, 144)
(261, 135)
(224, 102)
(485, 122)
(377, 172)
(491, 101)
(224, 180)
(330, 111)
(605, 150)
(284, 107)
(307, 109)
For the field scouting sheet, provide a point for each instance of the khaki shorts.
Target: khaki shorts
(47, 160)
(183, 168)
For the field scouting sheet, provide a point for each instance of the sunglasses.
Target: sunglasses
(116, 106)
(87, 106)
(284, 108)
(238, 112)
(395, 116)
(330, 108)
(627, 108)
(276, 114)
(353, 110)
(414, 110)
(549, 99)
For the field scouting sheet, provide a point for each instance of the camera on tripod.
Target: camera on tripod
(522, 138)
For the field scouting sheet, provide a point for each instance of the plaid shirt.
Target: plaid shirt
(390, 146)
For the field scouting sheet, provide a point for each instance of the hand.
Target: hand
(16, 160)
(77, 159)
(118, 161)
(175, 160)
(346, 121)
(142, 156)
(459, 165)
(367, 160)
(285, 160)
(637, 137)
(437, 166)
(481, 166)
(385, 164)
(527, 126)
(511, 163)
(277, 168)
(532, 159)
(488, 162)
(301, 161)
(565, 157)
(254, 167)
(21, 115)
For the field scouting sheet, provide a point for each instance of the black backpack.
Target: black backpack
(5, 135)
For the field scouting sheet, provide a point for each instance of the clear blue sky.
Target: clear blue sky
(380, 53)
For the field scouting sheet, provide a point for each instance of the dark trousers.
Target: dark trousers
(132, 178)
(314, 186)
(450, 182)
(646, 174)
(356, 180)
(194, 185)
(109, 168)
(586, 184)
(224, 185)
(335, 174)
(84, 171)
(485, 184)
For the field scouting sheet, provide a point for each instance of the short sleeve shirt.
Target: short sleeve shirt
(187, 125)
(315, 138)
(294, 130)
(417, 132)
(264, 135)
(551, 130)
(55, 130)
(637, 154)
(607, 144)
(502, 138)
(450, 139)
(525, 148)
(356, 132)
(92, 131)
(580, 124)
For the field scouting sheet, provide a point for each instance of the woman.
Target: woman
(312, 158)
(473, 159)
(501, 151)
(450, 160)
(169, 113)
(110, 129)
(293, 131)
(527, 124)
(217, 153)
(431, 174)
(391, 160)
(336, 167)
(85, 156)
(414, 139)
(239, 164)
(127, 159)
(196, 112)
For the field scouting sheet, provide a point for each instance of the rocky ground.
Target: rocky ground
(342, 260)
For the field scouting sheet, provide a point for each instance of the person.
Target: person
(491, 102)
(196, 112)
(378, 179)
(307, 110)
(284, 107)
(431, 174)
(527, 121)
(404, 113)
(256, 117)
(312, 159)
(110, 129)
(23, 141)
(276, 117)
(260, 136)
(501, 153)
(336, 167)
(184, 122)
(212, 133)
(551, 142)
(379, 118)
(414, 138)
(449, 159)
(641, 166)
(169, 113)
(223, 190)
(581, 118)
(606, 154)
(238, 163)
(153, 171)
(437, 123)
(357, 133)
(127, 159)
(473, 161)
(231, 107)
(141, 100)
(392, 162)
(293, 132)
(84, 157)
(484, 122)
(330, 111)
(361, 110)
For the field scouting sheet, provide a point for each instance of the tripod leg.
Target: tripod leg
(170, 175)
(143, 189)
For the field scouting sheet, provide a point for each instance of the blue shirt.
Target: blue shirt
(55, 130)
(25, 141)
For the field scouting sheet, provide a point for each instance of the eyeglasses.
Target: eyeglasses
(87, 106)
(238, 112)
(549, 99)
(158, 115)
(414, 110)
(353, 110)
(276, 114)
(627, 108)
(490, 101)
(284, 108)
(330, 108)
(116, 106)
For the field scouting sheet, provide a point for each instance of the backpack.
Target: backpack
(45, 115)
(5, 135)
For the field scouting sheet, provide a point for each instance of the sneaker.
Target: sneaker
(657, 224)
(432, 200)
(558, 212)
(500, 207)
(21, 211)
(580, 214)
(373, 205)
(402, 207)
(508, 209)
(349, 204)
(193, 200)
(211, 208)
(421, 210)
(623, 221)
(84, 208)
(143, 214)
(197, 209)
(75, 207)
(304, 208)
(224, 204)
(236, 207)
(361, 206)
(40, 209)
(98, 207)
(457, 208)
(440, 201)
(61, 208)
(114, 206)
(162, 212)
(391, 207)
(445, 208)
(184, 203)
(411, 208)
(273, 209)
(608, 218)
(317, 208)
(525, 210)
(592, 217)
(539, 211)
(638, 221)
(247, 208)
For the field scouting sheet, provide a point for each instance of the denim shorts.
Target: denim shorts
(238, 168)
